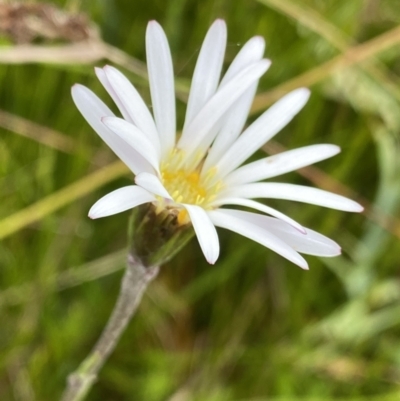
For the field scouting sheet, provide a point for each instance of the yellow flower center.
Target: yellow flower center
(184, 186)
(187, 184)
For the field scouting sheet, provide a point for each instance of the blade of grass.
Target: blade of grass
(311, 19)
(63, 197)
(70, 278)
(76, 53)
(382, 397)
(37, 132)
(352, 56)
(88, 52)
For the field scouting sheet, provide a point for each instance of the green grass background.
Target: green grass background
(253, 327)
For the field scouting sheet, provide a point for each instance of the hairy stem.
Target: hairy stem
(134, 283)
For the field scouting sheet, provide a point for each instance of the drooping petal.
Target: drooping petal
(134, 138)
(299, 193)
(312, 243)
(205, 232)
(93, 109)
(208, 69)
(261, 207)
(118, 201)
(152, 184)
(161, 79)
(130, 103)
(240, 224)
(200, 133)
(280, 164)
(263, 129)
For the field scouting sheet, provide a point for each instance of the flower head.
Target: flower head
(195, 175)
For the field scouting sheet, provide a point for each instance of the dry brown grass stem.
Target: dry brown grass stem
(353, 56)
(39, 133)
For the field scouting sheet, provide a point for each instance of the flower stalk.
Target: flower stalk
(134, 283)
(183, 184)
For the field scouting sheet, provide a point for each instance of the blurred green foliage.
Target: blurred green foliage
(253, 327)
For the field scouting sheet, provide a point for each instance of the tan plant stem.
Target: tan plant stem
(355, 55)
(134, 283)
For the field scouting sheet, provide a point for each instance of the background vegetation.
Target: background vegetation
(253, 327)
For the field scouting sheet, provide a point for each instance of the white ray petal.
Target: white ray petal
(200, 133)
(152, 183)
(261, 207)
(101, 75)
(240, 224)
(208, 69)
(280, 164)
(161, 80)
(263, 129)
(93, 109)
(135, 108)
(134, 138)
(118, 201)
(231, 126)
(299, 193)
(312, 243)
(252, 51)
(235, 118)
(205, 232)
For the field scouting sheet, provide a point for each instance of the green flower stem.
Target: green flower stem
(134, 283)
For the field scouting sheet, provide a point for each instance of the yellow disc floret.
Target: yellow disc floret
(184, 186)
(187, 184)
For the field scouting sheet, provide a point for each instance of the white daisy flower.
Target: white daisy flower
(197, 174)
